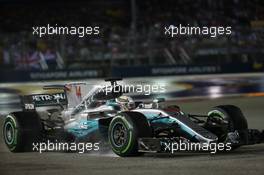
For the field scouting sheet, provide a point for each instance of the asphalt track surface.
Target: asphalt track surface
(245, 160)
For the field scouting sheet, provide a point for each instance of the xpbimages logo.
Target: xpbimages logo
(212, 31)
(191, 146)
(65, 146)
(146, 89)
(80, 31)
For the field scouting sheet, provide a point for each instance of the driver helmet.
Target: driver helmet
(126, 103)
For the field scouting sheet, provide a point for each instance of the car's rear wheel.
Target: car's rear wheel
(124, 131)
(20, 130)
(230, 115)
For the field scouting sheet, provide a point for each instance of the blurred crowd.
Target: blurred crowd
(131, 33)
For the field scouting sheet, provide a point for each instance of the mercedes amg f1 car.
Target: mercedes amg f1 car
(129, 128)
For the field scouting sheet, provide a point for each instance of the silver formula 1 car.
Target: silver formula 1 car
(128, 128)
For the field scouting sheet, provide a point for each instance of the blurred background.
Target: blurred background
(199, 72)
(131, 40)
(132, 44)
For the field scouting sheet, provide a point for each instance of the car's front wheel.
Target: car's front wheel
(124, 131)
(231, 118)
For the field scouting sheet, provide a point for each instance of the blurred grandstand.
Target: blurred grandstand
(131, 33)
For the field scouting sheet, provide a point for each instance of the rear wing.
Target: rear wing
(70, 94)
(30, 102)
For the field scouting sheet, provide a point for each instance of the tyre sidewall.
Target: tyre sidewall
(129, 146)
(13, 144)
(234, 116)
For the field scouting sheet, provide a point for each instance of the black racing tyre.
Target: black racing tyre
(20, 130)
(124, 131)
(233, 116)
